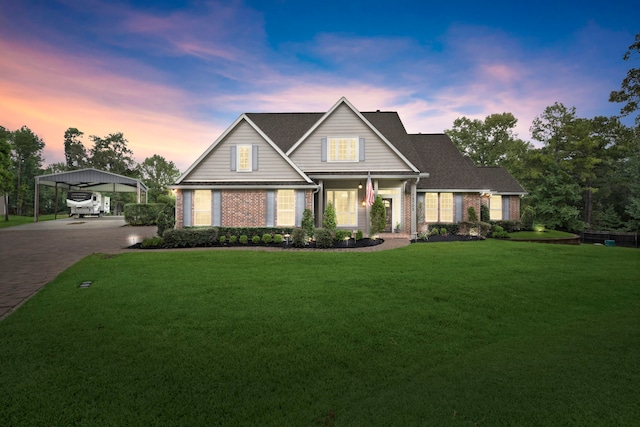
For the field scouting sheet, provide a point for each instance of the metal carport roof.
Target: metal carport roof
(89, 180)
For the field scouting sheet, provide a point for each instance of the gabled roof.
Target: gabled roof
(447, 167)
(93, 180)
(345, 101)
(244, 117)
(500, 180)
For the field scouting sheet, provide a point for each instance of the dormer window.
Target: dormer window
(343, 149)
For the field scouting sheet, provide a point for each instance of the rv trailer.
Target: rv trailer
(83, 203)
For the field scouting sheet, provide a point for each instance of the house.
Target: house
(266, 168)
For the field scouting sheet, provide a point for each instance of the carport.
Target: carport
(88, 180)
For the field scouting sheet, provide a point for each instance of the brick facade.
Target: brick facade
(244, 208)
(514, 208)
(240, 208)
(469, 200)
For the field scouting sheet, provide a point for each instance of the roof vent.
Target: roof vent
(377, 111)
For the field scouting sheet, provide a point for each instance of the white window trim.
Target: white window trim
(356, 158)
(239, 148)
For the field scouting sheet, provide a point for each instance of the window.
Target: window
(430, 207)
(343, 149)
(495, 208)
(286, 215)
(202, 207)
(244, 158)
(345, 203)
(446, 207)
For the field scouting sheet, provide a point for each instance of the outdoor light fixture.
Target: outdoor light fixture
(360, 185)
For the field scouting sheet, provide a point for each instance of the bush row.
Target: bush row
(210, 236)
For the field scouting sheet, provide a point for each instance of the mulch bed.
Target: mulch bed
(346, 244)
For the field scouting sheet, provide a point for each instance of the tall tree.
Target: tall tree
(75, 153)
(630, 89)
(6, 176)
(158, 173)
(27, 159)
(111, 154)
(553, 128)
(489, 142)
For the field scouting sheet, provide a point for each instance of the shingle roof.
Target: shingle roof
(284, 129)
(447, 167)
(500, 180)
(435, 154)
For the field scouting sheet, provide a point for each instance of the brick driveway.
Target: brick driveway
(32, 255)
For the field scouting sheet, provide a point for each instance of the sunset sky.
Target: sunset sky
(173, 75)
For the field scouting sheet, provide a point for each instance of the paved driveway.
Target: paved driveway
(32, 255)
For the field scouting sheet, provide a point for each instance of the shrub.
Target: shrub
(255, 240)
(343, 234)
(359, 235)
(244, 239)
(142, 213)
(508, 225)
(443, 231)
(528, 214)
(233, 239)
(423, 236)
(324, 238)
(307, 223)
(485, 214)
(329, 218)
(222, 240)
(378, 216)
(278, 238)
(498, 232)
(298, 238)
(190, 237)
(152, 242)
(472, 214)
(267, 238)
(434, 231)
(166, 219)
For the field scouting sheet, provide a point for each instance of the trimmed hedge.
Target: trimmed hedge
(190, 237)
(253, 231)
(509, 225)
(142, 213)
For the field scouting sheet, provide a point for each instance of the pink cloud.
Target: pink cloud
(52, 91)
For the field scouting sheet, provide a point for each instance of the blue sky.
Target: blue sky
(172, 75)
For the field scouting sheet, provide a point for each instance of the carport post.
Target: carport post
(55, 215)
(36, 201)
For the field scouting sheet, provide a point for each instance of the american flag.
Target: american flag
(370, 197)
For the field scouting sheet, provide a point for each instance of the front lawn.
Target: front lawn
(471, 333)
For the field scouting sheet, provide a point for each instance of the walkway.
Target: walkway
(32, 255)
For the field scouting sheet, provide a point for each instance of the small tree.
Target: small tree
(329, 218)
(485, 215)
(472, 214)
(307, 223)
(527, 218)
(378, 216)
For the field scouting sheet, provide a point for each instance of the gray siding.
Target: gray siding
(216, 166)
(216, 208)
(344, 122)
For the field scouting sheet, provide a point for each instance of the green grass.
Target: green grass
(470, 333)
(19, 220)
(547, 234)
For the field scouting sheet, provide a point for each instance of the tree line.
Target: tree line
(21, 159)
(586, 171)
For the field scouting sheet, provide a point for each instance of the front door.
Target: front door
(388, 203)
